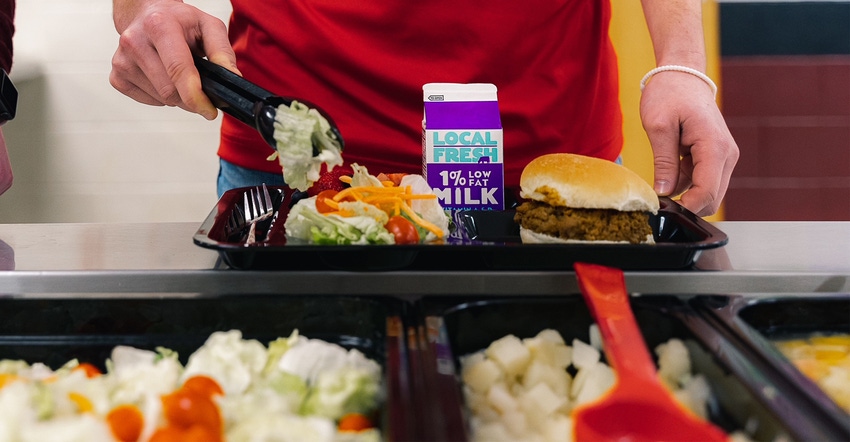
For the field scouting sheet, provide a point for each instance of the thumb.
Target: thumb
(225, 59)
(665, 152)
(666, 173)
(216, 44)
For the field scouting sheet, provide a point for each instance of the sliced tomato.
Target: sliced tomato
(321, 205)
(403, 230)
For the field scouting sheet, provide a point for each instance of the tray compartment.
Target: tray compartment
(742, 398)
(53, 331)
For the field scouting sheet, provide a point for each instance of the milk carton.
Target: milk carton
(462, 145)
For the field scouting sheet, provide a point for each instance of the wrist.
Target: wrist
(692, 59)
(682, 69)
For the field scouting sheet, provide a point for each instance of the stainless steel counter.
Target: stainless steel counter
(130, 259)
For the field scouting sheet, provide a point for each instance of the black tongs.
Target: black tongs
(250, 103)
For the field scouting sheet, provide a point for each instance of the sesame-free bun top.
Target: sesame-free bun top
(582, 182)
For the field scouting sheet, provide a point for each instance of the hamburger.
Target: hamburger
(572, 198)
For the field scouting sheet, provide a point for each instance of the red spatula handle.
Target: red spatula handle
(604, 292)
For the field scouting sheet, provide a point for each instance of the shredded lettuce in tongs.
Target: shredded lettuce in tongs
(303, 144)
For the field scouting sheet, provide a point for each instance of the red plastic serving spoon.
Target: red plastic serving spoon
(638, 408)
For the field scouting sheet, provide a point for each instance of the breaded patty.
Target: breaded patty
(584, 224)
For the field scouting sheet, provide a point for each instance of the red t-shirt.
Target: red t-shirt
(364, 62)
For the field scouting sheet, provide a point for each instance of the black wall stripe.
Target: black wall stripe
(804, 28)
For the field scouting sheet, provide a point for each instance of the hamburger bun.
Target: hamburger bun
(576, 198)
(583, 182)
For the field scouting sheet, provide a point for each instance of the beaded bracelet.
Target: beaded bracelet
(678, 68)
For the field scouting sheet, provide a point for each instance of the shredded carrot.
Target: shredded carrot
(341, 213)
(345, 179)
(6, 378)
(346, 193)
(391, 199)
(83, 403)
(420, 196)
(331, 203)
(381, 200)
(418, 220)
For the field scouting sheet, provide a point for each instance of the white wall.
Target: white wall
(83, 152)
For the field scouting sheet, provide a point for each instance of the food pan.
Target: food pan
(54, 331)
(756, 322)
(743, 400)
(479, 240)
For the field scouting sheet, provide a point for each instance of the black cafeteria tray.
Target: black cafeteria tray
(756, 322)
(742, 397)
(480, 240)
(54, 331)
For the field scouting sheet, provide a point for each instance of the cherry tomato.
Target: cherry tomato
(403, 230)
(90, 370)
(184, 408)
(321, 205)
(396, 177)
(199, 433)
(195, 433)
(168, 434)
(354, 422)
(203, 385)
(126, 422)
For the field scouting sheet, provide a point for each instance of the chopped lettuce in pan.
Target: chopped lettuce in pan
(231, 389)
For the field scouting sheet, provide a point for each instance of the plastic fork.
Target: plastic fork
(257, 207)
(638, 408)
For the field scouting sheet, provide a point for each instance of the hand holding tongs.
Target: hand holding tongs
(248, 102)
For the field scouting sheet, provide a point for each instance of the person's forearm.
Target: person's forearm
(124, 11)
(675, 27)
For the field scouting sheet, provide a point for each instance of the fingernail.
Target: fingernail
(663, 187)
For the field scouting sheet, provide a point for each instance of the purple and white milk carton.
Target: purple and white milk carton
(462, 145)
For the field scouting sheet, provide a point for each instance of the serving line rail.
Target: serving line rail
(159, 258)
(401, 284)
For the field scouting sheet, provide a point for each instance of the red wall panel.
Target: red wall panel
(790, 116)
